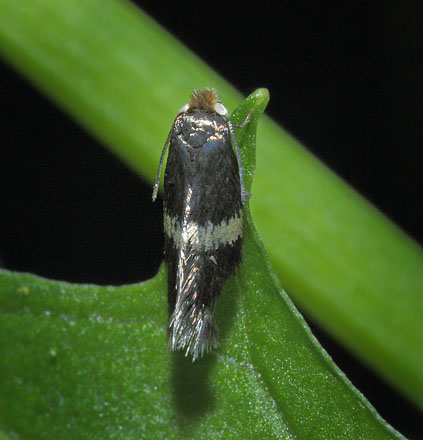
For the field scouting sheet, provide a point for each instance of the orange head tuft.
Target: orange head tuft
(203, 100)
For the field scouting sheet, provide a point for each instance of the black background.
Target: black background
(344, 78)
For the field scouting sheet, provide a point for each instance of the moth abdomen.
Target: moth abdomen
(200, 259)
(196, 333)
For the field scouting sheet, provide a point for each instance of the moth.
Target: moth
(204, 192)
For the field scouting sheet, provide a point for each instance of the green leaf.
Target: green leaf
(4, 437)
(92, 360)
(122, 77)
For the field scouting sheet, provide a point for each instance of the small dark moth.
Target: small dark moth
(203, 197)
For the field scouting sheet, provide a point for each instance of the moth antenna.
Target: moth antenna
(244, 192)
(159, 171)
(246, 120)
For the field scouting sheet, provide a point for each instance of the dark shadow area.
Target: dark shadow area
(70, 210)
(191, 392)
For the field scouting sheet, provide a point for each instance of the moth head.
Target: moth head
(205, 100)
